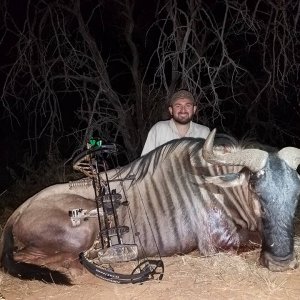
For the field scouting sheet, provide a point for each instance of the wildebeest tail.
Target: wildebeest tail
(24, 270)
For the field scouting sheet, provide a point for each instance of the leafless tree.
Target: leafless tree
(274, 32)
(242, 57)
(60, 60)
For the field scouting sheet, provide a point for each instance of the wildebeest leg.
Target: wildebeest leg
(58, 249)
(62, 260)
(41, 238)
(24, 270)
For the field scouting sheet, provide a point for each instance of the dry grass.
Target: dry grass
(223, 276)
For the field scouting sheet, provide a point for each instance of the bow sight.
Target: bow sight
(109, 249)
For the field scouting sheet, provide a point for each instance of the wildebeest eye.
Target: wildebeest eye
(262, 211)
(252, 183)
(257, 175)
(260, 173)
(253, 179)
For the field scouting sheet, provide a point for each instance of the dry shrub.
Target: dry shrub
(34, 176)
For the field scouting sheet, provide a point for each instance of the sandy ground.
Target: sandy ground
(224, 276)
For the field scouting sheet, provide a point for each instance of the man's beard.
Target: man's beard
(182, 121)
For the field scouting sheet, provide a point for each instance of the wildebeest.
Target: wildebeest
(184, 195)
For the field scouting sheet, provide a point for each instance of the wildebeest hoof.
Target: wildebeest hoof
(279, 264)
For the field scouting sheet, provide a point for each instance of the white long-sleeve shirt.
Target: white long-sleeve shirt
(165, 131)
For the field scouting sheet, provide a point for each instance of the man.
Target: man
(182, 108)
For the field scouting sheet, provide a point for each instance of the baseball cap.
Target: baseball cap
(181, 94)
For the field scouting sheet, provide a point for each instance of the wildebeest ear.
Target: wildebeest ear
(230, 179)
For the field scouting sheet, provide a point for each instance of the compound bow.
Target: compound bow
(109, 247)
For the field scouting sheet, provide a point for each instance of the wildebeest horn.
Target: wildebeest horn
(291, 156)
(253, 159)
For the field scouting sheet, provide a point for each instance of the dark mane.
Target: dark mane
(249, 143)
(184, 146)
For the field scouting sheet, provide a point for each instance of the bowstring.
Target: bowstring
(131, 215)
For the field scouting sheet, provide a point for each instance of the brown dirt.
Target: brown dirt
(223, 276)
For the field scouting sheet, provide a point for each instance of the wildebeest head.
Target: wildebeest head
(274, 181)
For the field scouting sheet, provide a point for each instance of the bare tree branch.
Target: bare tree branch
(78, 69)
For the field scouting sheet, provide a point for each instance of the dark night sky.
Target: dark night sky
(13, 139)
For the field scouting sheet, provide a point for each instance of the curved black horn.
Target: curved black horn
(291, 156)
(253, 159)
